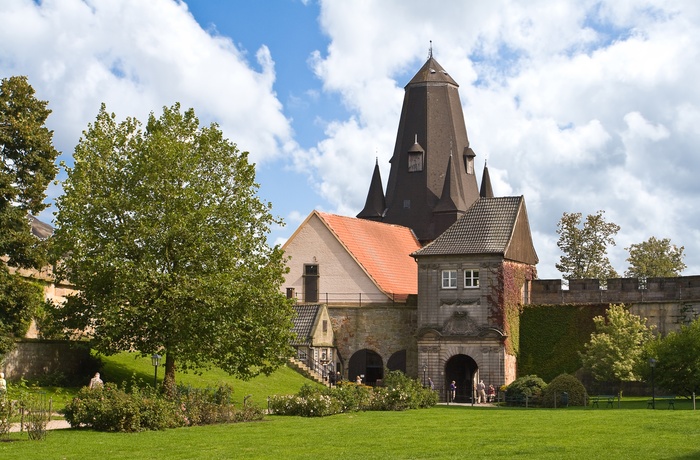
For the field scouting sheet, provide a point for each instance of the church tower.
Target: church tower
(432, 180)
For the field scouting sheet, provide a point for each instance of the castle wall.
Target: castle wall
(667, 303)
(382, 329)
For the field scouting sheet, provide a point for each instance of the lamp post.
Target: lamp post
(425, 369)
(652, 363)
(155, 361)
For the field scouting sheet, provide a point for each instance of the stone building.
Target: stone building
(391, 311)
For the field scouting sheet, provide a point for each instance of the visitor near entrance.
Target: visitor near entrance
(491, 394)
(453, 390)
(358, 380)
(481, 389)
(431, 384)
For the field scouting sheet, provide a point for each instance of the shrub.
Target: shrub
(564, 383)
(399, 393)
(529, 386)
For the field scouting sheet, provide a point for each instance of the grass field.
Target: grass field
(443, 432)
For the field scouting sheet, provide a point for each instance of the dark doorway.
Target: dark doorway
(368, 363)
(461, 369)
(397, 361)
(310, 283)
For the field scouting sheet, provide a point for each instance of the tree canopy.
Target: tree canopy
(677, 360)
(162, 233)
(617, 345)
(655, 258)
(585, 247)
(27, 166)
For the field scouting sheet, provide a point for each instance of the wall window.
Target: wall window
(449, 279)
(325, 326)
(471, 278)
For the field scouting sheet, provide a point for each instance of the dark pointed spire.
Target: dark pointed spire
(375, 206)
(486, 190)
(451, 199)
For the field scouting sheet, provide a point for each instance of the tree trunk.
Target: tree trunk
(169, 380)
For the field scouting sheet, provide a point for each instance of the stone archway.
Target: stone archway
(461, 369)
(397, 361)
(368, 363)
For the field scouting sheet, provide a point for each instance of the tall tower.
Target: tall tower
(432, 180)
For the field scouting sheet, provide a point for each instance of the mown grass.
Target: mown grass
(127, 367)
(448, 432)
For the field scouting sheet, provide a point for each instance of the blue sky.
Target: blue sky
(578, 105)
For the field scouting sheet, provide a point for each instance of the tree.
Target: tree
(677, 360)
(163, 235)
(655, 258)
(27, 167)
(585, 248)
(617, 345)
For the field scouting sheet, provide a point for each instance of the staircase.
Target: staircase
(306, 371)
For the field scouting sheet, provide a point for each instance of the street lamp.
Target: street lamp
(155, 361)
(652, 363)
(425, 369)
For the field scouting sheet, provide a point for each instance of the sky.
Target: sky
(578, 105)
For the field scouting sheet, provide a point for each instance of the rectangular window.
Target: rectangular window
(449, 279)
(301, 354)
(471, 279)
(325, 326)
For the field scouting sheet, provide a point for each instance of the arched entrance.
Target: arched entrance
(461, 369)
(368, 363)
(397, 361)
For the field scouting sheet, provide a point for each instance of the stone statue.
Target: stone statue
(96, 382)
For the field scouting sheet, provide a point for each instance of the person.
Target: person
(491, 394)
(358, 380)
(3, 384)
(453, 390)
(431, 385)
(96, 382)
(481, 387)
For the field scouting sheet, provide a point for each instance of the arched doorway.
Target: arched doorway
(461, 369)
(368, 363)
(397, 361)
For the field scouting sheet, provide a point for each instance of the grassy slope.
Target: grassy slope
(124, 367)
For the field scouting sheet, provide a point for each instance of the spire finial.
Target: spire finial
(430, 50)
(415, 141)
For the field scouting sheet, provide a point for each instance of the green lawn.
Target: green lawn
(449, 432)
(124, 367)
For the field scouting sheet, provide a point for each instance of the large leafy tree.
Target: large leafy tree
(677, 360)
(655, 258)
(27, 166)
(585, 247)
(163, 235)
(617, 346)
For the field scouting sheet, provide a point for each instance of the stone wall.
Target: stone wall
(33, 359)
(666, 303)
(382, 329)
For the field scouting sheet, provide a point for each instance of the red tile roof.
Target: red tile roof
(383, 250)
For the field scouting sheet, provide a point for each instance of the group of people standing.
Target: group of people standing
(483, 395)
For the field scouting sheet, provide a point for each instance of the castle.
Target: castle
(429, 278)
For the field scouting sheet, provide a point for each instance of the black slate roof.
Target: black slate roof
(304, 323)
(486, 228)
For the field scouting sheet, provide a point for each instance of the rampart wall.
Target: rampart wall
(667, 303)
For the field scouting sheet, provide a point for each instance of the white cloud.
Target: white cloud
(137, 57)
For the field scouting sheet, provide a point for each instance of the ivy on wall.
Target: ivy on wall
(551, 337)
(506, 300)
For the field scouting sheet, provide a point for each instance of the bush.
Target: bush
(564, 383)
(529, 386)
(113, 409)
(398, 393)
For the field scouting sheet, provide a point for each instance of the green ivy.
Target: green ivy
(505, 300)
(551, 337)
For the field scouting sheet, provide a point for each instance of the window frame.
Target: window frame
(471, 278)
(451, 278)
